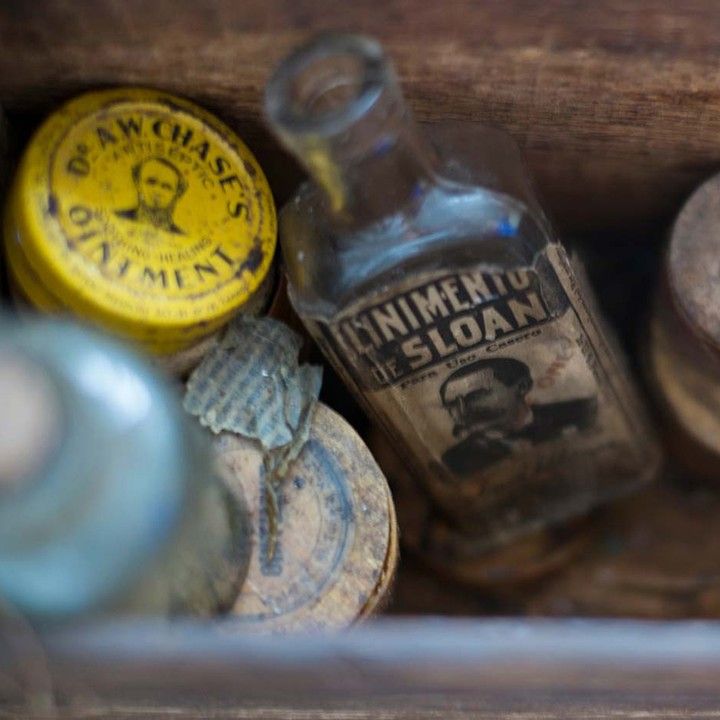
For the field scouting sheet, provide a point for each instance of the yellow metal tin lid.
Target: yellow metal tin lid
(141, 212)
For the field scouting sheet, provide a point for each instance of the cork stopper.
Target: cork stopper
(693, 263)
(30, 421)
(333, 557)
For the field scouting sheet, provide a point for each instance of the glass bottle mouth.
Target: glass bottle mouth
(327, 85)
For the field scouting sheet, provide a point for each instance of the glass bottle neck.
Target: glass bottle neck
(391, 175)
(337, 106)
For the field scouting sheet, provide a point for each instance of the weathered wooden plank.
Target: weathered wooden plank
(460, 669)
(617, 104)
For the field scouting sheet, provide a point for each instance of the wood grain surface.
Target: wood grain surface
(617, 104)
(440, 669)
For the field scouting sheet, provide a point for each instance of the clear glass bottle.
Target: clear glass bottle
(430, 277)
(109, 502)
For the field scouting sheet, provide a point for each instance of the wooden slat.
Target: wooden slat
(616, 103)
(449, 669)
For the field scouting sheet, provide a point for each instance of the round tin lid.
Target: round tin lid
(144, 214)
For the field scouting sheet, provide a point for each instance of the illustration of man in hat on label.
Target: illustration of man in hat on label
(487, 403)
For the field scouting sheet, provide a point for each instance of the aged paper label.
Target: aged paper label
(499, 388)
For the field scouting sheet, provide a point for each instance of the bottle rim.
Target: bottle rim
(356, 62)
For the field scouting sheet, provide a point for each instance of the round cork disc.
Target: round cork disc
(693, 263)
(379, 599)
(453, 554)
(334, 551)
(685, 378)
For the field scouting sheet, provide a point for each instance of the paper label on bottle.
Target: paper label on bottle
(498, 386)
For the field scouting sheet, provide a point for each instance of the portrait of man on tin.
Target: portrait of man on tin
(159, 185)
(492, 417)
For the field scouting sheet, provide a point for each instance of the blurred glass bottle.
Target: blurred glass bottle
(108, 501)
(430, 277)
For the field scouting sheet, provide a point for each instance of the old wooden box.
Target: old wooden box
(617, 106)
